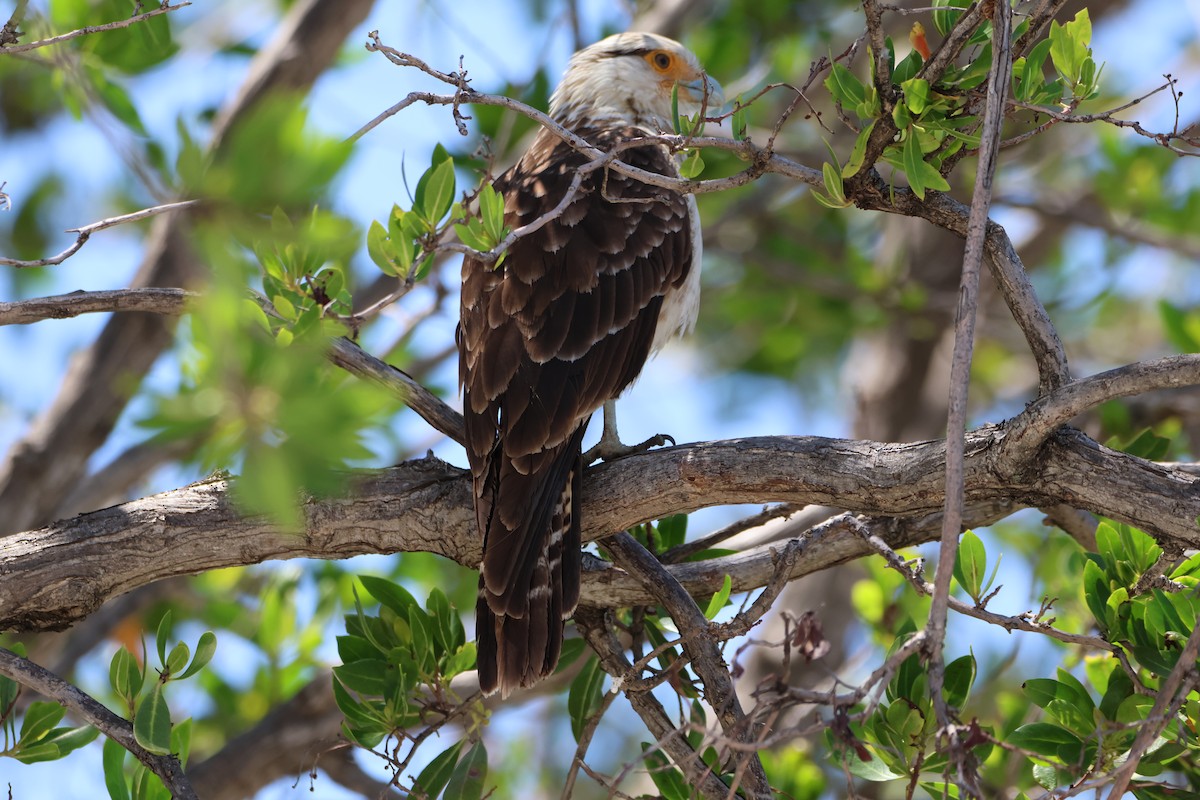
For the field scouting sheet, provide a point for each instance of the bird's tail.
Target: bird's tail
(519, 632)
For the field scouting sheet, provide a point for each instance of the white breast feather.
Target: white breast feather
(681, 306)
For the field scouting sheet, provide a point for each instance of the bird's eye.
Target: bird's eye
(661, 60)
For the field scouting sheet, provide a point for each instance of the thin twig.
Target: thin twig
(687, 549)
(46, 683)
(585, 741)
(594, 627)
(1029, 621)
(696, 636)
(90, 29)
(86, 231)
(1173, 688)
(964, 339)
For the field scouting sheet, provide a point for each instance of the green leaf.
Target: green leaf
(205, 649)
(944, 19)
(675, 122)
(1046, 776)
(473, 235)
(466, 781)
(859, 152)
(389, 594)
(435, 191)
(178, 659)
(571, 650)
(367, 677)
(585, 695)
(181, 740)
(125, 676)
(161, 634)
(1069, 45)
(117, 101)
(907, 68)
(114, 770)
(491, 212)
(846, 88)
(916, 95)
(960, 676)
(672, 531)
(692, 165)
(422, 639)
(921, 174)
(719, 599)
(1043, 738)
(378, 247)
(970, 564)
(833, 183)
(40, 719)
(738, 120)
(152, 722)
(874, 770)
(437, 773)
(56, 744)
(666, 776)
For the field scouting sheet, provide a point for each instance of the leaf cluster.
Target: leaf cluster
(934, 118)
(387, 655)
(40, 737)
(898, 739)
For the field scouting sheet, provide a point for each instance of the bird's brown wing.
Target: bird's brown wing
(563, 325)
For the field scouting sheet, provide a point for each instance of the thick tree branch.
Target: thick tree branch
(46, 683)
(1031, 427)
(151, 300)
(52, 577)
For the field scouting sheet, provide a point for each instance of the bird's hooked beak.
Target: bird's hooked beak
(706, 92)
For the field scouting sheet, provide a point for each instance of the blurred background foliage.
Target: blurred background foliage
(813, 321)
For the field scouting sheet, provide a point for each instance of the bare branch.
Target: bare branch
(86, 231)
(152, 300)
(1109, 117)
(1029, 429)
(46, 683)
(1029, 621)
(164, 8)
(355, 360)
(964, 342)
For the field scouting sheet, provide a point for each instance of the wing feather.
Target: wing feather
(563, 325)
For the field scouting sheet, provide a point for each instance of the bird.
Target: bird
(564, 324)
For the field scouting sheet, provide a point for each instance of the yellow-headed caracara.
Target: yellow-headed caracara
(563, 325)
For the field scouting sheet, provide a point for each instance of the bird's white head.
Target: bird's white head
(630, 77)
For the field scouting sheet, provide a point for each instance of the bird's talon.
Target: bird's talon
(609, 450)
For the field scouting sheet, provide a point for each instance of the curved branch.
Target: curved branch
(51, 577)
(1040, 418)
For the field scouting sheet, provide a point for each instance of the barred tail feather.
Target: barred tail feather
(519, 632)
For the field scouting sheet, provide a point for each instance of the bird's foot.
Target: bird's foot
(609, 448)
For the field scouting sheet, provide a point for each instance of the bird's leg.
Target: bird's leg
(610, 446)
